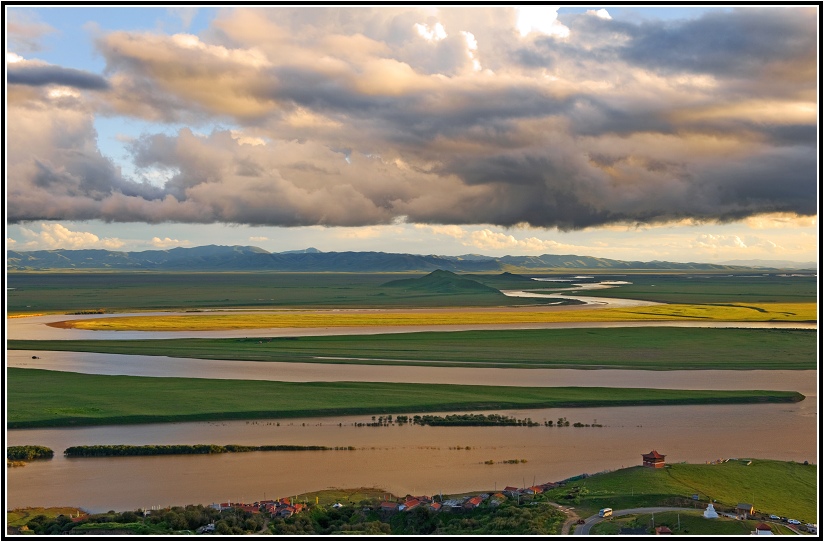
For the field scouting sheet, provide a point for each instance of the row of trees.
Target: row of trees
(28, 453)
(170, 520)
(113, 450)
(468, 419)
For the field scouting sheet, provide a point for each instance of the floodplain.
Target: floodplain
(335, 303)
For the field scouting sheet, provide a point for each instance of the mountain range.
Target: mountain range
(250, 258)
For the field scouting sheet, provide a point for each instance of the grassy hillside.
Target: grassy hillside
(37, 398)
(442, 282)
(773, 487)
(610, 348)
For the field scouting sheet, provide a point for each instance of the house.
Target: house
(410, 504)
(387, 506)
(286, 512)
(534, 490)
(653, 460)
(472, 503)
(663, 529)
(251, 508)
(743, 510)
(435, 506)
(763, 529)
(511, 491)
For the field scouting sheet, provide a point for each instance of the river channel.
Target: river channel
(399, 459)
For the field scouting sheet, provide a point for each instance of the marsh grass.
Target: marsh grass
(659, 348)
(38, 398)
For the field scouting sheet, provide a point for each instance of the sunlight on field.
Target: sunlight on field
(778, 312)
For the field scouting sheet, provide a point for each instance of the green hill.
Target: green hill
(442, 282)
(772, 487)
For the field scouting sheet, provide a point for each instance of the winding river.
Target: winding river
(399, 459)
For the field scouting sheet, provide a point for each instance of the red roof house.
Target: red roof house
(653, 459)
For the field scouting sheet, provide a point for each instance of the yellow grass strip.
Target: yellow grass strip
(779, 312)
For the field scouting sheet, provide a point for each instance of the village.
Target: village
(287, 507)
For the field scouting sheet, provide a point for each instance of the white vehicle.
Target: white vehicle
(794, 521)
(605, 512)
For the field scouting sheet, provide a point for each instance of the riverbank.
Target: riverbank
(773, 487)
(617, 348)
(39, 398)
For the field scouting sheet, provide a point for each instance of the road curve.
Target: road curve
(592, 520)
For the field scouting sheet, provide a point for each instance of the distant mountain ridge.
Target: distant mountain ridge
(251, 258)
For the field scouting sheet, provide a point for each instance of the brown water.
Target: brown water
(162, 366)
(400, 459)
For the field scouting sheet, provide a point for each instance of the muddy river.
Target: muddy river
(399, 459)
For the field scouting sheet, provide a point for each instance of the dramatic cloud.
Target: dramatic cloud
(54, 75)
(360, 116)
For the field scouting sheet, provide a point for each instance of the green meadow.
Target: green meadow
(38, 398)
(58, 292)
(607, 348)
(690, 523)
(127, 291)
(772, 487)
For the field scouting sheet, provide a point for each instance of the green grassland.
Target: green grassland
(21, 516)
(607, 348)
(38, 398)
(122, 291)
(691, 523)
(772, 487)
(126, 291)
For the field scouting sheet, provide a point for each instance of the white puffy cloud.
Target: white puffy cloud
(435, 33)
(166, 242)
(600, 13)
(56, 236)
(541, 19)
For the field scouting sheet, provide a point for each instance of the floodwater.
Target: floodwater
(163, 366)
(399, 459)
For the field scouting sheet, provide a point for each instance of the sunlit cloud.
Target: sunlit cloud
(54, 236)
(600, 13)
(541, 19)
(166, 242)
(435, 33)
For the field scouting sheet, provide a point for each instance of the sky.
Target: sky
(646, 133)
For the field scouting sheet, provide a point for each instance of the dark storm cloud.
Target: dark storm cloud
(351, 117)
(54, 75)
(741, 42)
